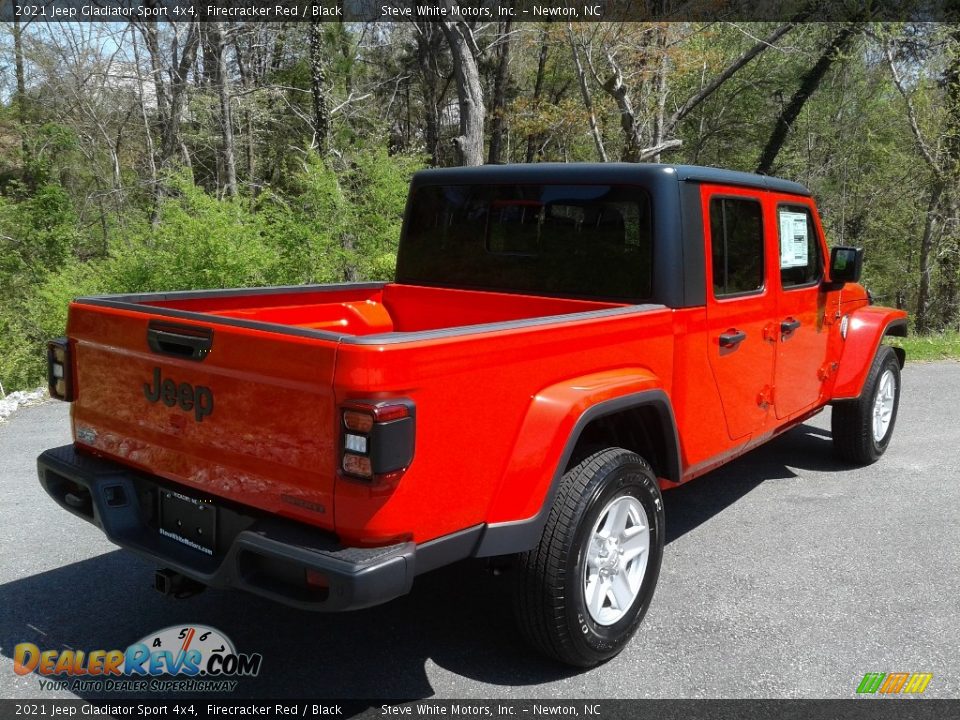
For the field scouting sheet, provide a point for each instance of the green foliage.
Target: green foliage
(378, 185)
(83, 151)
(928, 348)
(329, 226)
(198, 242)
(37, 232)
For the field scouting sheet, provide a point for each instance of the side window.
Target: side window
(800, 259)
(736, 238)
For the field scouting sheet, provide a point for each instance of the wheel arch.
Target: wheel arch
(645, 425)
(867, 326)
(613, 408)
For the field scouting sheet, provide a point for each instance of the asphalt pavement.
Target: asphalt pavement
(786, 575)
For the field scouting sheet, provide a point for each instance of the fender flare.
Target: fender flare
(505, 537)
(867, 328)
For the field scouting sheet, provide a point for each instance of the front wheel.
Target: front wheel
(862, 428)
(584, 589)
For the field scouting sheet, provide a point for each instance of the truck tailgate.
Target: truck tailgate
(251, 420)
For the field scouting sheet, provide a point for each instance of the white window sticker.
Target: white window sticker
(793, 239)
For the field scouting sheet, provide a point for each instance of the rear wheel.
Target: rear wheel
(862, 428)
(585, 588)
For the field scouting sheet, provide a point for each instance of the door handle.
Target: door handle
(788, 326)
(732, 338)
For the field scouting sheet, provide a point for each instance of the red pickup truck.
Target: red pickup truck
(561, 344)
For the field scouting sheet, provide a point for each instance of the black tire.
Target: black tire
(549, 599)
(852, 420)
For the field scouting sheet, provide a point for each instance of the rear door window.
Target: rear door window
(736, 239)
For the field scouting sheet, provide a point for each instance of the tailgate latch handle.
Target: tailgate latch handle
(183, 341)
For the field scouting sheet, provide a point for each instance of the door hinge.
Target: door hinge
(827, 370)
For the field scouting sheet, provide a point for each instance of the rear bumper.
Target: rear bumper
(262, 554)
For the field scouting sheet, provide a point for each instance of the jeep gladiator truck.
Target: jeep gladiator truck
(561, 344)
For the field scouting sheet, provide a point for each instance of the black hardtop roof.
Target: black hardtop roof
(603, 173)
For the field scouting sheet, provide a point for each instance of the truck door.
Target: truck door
(802, 337)
(740, 306)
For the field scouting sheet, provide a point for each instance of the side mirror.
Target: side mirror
(846, 264)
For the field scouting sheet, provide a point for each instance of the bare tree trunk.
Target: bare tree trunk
(245, 67)
(318, 87)
(498, 123)
(209, 61)
(149, 32)
(427, 41)
(533, 139)
(808, 85)
(147, 130)
(18, 62)
(629, 124)
(949, 255)
(921, 318)
(21, 88)
(216, 53)
(276, 52)
(274, 157)
(346, 52)
(660, 90)
(464, 51)
(180, 72)
(585, 94)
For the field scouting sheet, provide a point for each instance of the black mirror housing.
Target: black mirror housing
(846, 265)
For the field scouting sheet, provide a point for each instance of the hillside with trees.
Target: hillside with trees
(154, 156)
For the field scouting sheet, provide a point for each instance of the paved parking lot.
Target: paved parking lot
(786, 574)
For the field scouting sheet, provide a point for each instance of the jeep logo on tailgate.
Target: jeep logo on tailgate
(198, 398)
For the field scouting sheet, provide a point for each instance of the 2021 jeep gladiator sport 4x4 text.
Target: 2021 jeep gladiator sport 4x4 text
(561, 344)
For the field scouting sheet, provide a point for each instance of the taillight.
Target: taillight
(377, 439)
(59, 373)
(358, 421)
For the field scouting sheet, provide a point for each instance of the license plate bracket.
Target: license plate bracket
(189, 521)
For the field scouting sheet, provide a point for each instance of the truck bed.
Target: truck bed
(367, 308)
(234, 393)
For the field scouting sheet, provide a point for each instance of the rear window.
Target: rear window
(736, 239)
(577, 240)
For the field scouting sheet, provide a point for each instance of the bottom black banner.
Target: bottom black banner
(899, 709)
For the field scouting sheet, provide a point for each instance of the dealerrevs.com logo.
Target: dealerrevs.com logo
(192, 658)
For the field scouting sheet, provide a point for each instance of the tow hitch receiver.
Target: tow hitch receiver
(170, 582)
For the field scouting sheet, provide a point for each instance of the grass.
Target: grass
(927, 348)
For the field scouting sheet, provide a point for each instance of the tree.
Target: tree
(809, 82)
(533, 138)
(318, 81)
(216, 47)
(464, 53)
(428, 40)
(21, 96)
(498, 124)
(653, 47)
(587, 97)
(944, 166)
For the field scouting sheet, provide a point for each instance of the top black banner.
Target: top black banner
(532, 11)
